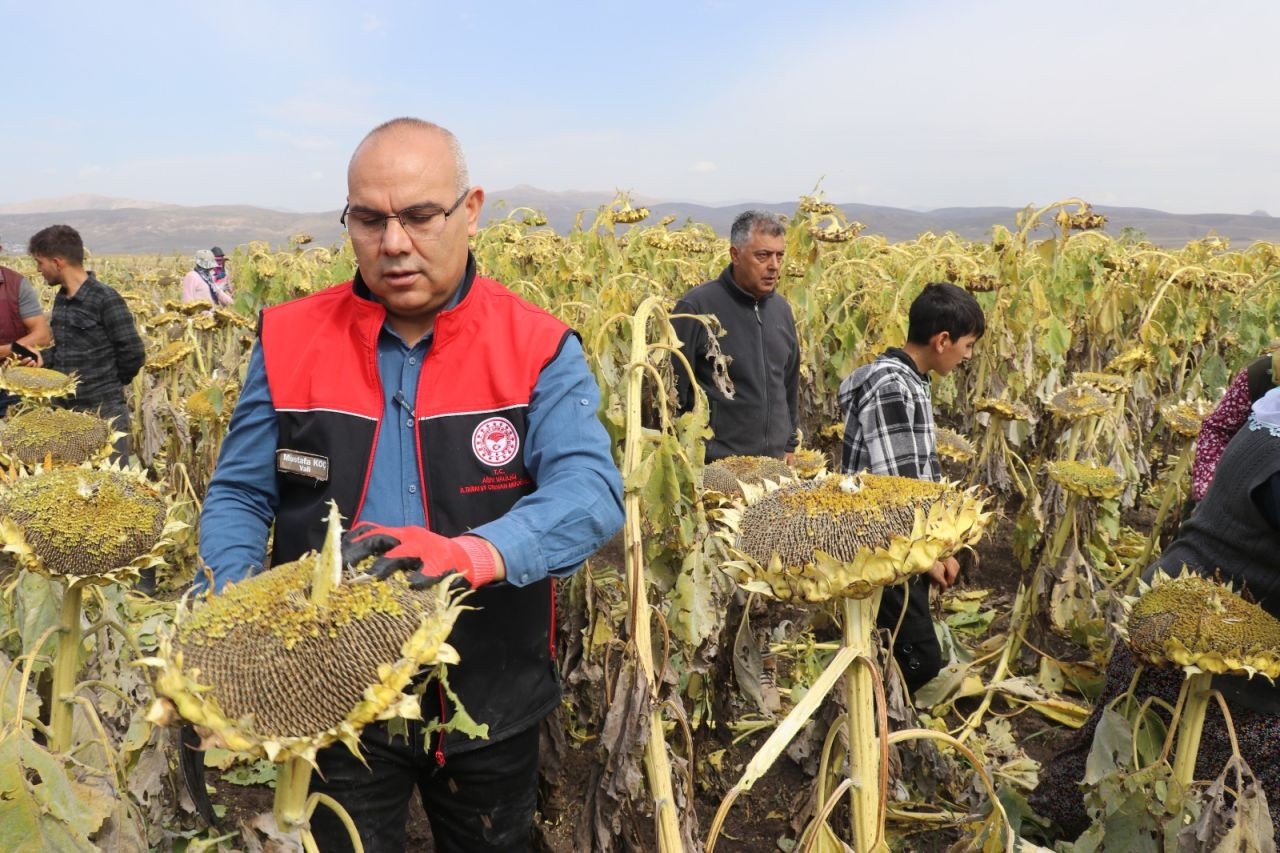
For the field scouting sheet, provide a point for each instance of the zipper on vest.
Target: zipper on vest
(764, 381)
(444, 716)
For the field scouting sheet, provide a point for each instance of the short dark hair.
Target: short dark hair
(58, 241)
(944, 307)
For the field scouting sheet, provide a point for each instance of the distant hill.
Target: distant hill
(83, 201)
(112, 225)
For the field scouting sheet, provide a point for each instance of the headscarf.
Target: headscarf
(1267, 410)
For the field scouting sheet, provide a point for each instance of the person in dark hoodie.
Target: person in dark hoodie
(889, 429)
(754, 412)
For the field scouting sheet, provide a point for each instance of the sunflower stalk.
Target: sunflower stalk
(656, 761)
(66, 665)
(858, 631)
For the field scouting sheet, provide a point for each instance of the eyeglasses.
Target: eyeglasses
(421, 222)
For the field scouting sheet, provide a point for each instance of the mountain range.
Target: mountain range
(116, 225)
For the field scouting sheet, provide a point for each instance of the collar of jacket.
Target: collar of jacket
(371, 314)
(901, 355)
(731, 287)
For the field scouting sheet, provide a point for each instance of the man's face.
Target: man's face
(756, 265)
(50, 269)
(409, 167)
(952, 353)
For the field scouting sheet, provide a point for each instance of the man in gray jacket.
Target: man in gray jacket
(754, 413)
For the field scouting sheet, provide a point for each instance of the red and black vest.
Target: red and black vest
(472, 401)
(11, 325)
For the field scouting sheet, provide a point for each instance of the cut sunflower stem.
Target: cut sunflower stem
(1198, 689)
(66, 665)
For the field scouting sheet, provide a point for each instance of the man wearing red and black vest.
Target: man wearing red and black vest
(456, 425)
(21, 319)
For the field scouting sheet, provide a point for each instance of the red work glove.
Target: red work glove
(427, 557)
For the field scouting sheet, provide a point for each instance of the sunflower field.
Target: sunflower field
(712, 700)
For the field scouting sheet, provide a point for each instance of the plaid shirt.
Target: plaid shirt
(95, 338)
(889, 420)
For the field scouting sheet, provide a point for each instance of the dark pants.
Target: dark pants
(917, 651)
(480, 800)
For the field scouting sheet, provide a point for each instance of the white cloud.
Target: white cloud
(703, 166)
(90, 171)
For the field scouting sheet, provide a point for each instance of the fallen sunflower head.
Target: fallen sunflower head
(849, 535)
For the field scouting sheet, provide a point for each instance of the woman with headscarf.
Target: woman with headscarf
(199, 286)
(1235, 532)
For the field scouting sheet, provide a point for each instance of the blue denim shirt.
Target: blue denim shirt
(576, 507)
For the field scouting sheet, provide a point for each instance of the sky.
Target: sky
(1169, 105)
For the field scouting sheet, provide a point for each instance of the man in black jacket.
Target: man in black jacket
(754, 412)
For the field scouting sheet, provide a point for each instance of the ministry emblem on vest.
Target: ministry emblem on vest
(495, 442)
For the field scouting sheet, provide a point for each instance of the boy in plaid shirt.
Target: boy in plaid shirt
(889, 430)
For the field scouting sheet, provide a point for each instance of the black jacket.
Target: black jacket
(760, 337)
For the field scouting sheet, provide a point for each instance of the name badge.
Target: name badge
(308, 465)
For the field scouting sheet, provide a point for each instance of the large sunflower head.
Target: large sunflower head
(848, 535)
(36, 383)
(269, 667)
(63, 436)
(1202, 626)
(86, 525)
